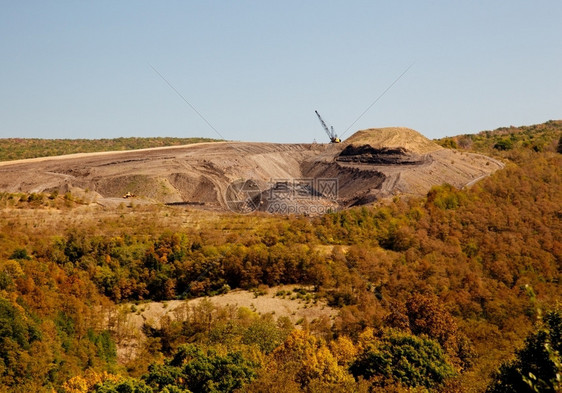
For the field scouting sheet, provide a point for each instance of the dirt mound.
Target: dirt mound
(298, 178)
(392, 138)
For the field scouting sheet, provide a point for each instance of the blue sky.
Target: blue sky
(257, 70)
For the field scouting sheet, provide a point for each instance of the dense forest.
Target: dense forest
(457, 291)
(21, 148)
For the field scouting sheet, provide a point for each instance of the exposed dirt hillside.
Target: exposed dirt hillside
(305, 178)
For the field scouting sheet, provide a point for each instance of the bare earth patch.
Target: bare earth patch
(151, 313)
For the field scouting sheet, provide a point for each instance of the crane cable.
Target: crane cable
(187, 102)
(378, 98)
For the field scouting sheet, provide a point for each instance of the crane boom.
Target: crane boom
(331, 134)
(323, 124)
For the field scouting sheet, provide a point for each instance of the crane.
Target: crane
(330, 131)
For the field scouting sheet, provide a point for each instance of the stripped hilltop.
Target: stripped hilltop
(370, 165)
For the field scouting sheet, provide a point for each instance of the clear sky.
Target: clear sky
(257, 70)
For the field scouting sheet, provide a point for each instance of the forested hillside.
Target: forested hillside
(20, 148)
(433, 293)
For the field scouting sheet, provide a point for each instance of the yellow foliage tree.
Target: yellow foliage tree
(85, 383)
(343, 350)
(366, 338)
(311, 359)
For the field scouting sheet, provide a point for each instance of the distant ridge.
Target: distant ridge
(23, 148)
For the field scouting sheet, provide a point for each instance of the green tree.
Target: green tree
(449, 143)
(106, 348)
(538, 366)
(193, 369)
(20, 253)
(17, 333)
(504, 144)
(264, 333)
(403, 358)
